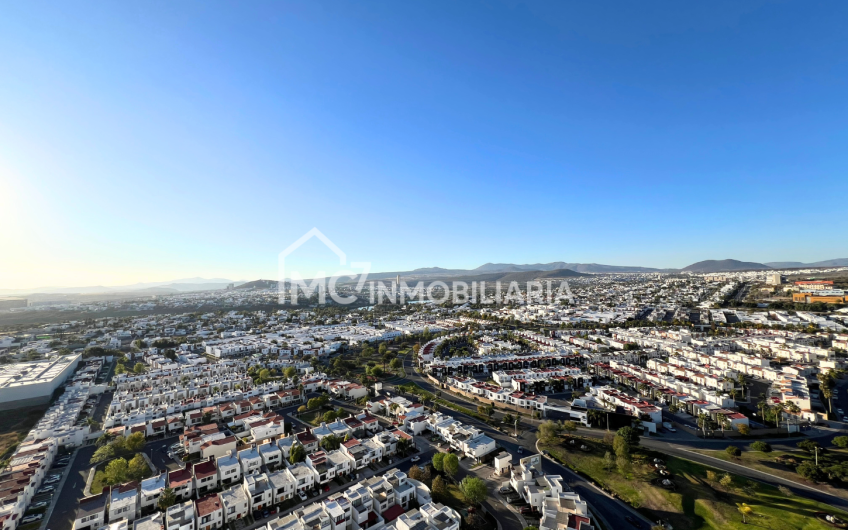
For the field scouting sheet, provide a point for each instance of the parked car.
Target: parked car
(520, 450)
(415, 458)
(37, 505)
(302, 496)
(525, 510)
(840, 412)
(53, 480)
(505, 489)
(32, 518)
(46, 489)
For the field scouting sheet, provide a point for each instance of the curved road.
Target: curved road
(679, 448)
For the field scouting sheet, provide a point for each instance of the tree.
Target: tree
(297, 454)
(139, 368)
(726, 480)
(548, 431)
(609, 461)
(760, 446)
(841, 441)
(808, 445)
(451, 465)
(301, 409)
(439, 489)
(439, 462)
(134, 442)
(810, 471)
(329, 416)
(474, 490)
(396, 364)
(290, 372)
(331, 442)
(733, 451)
(416, 473)
(103, 453)
(623, 464)
(138, 468)
(403, 445)
(377, 371)
(206, 418)
(167, 499)
(630, 434)
(745, 510)
(569, 427)
(116, 471)
(743, 429)
(107, 437)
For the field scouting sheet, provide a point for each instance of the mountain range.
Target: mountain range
(486, 272)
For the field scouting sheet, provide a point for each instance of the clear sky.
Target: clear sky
(148, 141)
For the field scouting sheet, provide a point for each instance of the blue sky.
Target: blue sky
(159, 140)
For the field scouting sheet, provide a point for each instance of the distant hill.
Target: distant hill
(784, 264)
(259, 284)
(561, 265)
(724, 265)
(839, 262)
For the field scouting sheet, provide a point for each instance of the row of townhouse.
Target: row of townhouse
(465, 439)
(505, 396)
(638, 408)
(255, 479)
(171, 417)
(668, 388)
(549, 495)
(492, 363)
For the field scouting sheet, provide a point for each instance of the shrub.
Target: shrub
(841, 441)
(762, 447)
(732, 450)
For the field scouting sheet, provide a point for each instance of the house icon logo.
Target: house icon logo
(290, 283)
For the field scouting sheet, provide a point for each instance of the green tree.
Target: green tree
(138, 468)
(135, 442)
(167, 499)
(439, 489)
(451, 465)
(726, 480)
(808, 445)
(439, 461)
(206, 418)
(733, 451)
(331, 442)
(743, 429)
(329, 416)
(116, 471)
(609, 461)
(474, 490)
(548, 431)
(396, 364)
(297, 454)
(139, 368)
(290, 372)
(841, 441)
(103, 453)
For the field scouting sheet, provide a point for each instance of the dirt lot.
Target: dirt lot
(15, 424)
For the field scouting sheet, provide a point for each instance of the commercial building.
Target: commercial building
(33, 383)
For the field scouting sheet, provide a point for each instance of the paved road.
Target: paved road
(614, 510)
(67, 499)
(675, 445)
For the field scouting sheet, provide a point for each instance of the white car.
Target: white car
(302, 496)
(32, 518)
(415, 458)
(840, 411)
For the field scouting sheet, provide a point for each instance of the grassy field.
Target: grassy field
(14, 426)
(779, 463)
(696, 503)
